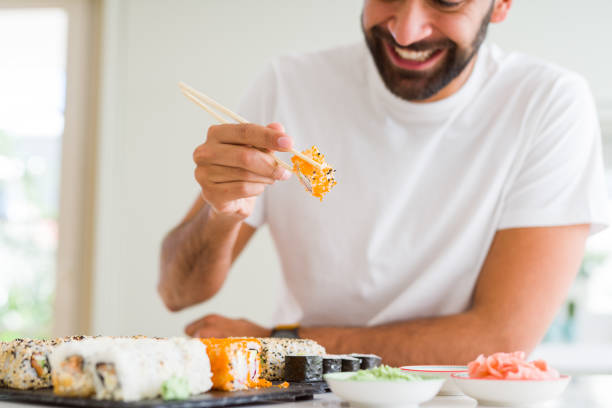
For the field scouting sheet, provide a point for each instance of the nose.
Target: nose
(411, 23)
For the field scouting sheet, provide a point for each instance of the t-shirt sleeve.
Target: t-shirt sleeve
(258, 105)
(561, 178)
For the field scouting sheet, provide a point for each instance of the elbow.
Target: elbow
(177, 297)
(522, 340)
(166, 286)
(509, 342)
(517, 331)
(170, 300)
(505, 334)
(181, 284)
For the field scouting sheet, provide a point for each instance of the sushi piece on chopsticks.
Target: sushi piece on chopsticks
(235, 363)
(321, 179)
(275, 349)
(131, 369)
(24, 363)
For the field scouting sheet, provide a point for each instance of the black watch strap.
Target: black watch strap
(286, 331)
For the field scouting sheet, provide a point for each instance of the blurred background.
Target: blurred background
(96, 144)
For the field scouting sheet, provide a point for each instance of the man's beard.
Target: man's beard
(416, 85)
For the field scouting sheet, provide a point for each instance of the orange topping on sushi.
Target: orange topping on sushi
(261, 383)
(218, 351)
(222, 377)
(321, 180)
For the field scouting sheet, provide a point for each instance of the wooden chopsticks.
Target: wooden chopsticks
(207, 103)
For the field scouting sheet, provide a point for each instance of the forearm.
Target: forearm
(195, 258)
(453, 339)
(523, 281)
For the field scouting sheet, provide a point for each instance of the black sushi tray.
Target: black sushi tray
(211, 399)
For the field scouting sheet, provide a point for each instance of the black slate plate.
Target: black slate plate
(211, 399)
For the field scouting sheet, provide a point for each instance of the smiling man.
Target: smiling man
(417, 63)
(468, 181)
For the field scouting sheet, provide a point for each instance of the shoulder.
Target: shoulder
(539, 93)
(533, 77)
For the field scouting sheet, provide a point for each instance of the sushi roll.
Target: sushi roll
(235, 363)
(350, 363)
(70, 379)
(303, 368)
(24, 363)
(130, 369)
(332, 363)
(274, 351)
(367, 360)
(4, 354)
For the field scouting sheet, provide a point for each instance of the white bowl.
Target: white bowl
(382, 393)
(449, 387)
(511, 392)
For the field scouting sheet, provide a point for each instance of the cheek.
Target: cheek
(460, 29)
(463, 26)
(376, 12)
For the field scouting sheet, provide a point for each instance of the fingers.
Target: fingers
(220, 195)
(234, 165)
(204, 327)
(251, 135)
(219, 326)
(192, 327)
(243, 157)
(225, 174)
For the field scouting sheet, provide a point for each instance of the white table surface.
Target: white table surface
(585, 391)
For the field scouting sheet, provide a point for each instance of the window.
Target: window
(33, 46)
(48, 56)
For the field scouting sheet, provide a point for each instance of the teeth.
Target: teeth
(418, 56)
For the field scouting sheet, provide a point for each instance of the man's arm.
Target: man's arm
(233, 167)
(197, 254)
(523, 281)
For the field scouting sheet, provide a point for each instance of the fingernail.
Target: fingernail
(283, 142)
(286, 174)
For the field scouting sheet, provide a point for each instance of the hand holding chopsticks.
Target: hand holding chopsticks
(235, 163)
(207, 103)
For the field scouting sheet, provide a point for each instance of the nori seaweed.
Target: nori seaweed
(303, 368)
(332, 364)
(350, 363)
(368, 360)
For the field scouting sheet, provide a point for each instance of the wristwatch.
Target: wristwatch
(286, 331)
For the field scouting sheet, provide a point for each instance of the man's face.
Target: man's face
(421, 46)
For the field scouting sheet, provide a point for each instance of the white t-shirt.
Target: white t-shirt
(422, 188)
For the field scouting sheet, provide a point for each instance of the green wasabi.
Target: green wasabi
(386, 373)
(175, 388)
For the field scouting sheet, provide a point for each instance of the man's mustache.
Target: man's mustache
(385, 35)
